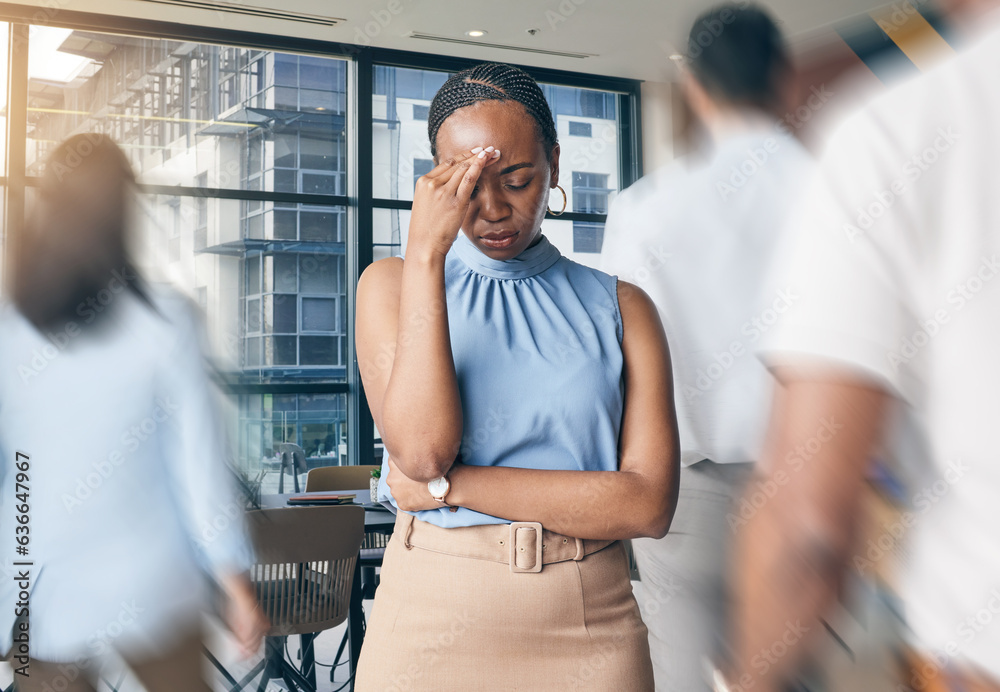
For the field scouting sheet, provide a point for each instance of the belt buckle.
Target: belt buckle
(523, 546)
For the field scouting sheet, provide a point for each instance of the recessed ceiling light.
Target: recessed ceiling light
(475, 33)
(676, 57)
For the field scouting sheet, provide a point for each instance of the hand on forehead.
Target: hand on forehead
(504, 125)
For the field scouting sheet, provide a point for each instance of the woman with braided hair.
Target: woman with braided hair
(526, 408)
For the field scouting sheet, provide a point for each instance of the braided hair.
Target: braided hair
(491, 82)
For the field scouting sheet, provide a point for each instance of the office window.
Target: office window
(587, 103)
(134, 89)
(313, 421)
(399, 138)
(174, 249)
(298, 294)
(389, 229)
(215, 118)
(319, 314)
(590, 194)
(421, 167)
(242, 158)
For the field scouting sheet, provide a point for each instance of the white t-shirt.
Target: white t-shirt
(898, 272)
(699, 240)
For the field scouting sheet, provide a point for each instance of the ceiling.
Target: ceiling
(628, 38)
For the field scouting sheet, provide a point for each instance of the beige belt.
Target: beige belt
(524, 545)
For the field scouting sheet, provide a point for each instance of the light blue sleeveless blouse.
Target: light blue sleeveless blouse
(537, 348)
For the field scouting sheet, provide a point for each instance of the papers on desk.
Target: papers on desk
(322, 499)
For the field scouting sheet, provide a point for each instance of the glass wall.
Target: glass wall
(267, 268)
(242, 156)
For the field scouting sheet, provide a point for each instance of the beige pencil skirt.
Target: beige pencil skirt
(502, 607)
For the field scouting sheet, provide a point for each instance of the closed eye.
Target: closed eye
(507, 186)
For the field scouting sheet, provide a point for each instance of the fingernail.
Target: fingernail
(496, 154)
(489, 149)
(482, 154)
(477, 150)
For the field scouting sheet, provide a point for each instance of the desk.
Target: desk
(376, 521)
(380, 520)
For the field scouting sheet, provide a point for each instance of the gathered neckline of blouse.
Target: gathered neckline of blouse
(531, 262)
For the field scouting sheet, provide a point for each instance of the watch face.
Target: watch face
(438, 487)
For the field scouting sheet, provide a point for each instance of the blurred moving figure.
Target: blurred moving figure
(698, 236)
(129, 502)
(899, 318)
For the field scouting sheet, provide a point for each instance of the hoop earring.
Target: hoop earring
(560, 212)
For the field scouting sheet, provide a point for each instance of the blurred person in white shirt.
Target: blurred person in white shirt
(898, 268)
(698, 235)
(113, 456)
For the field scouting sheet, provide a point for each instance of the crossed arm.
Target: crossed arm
(404, 353)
